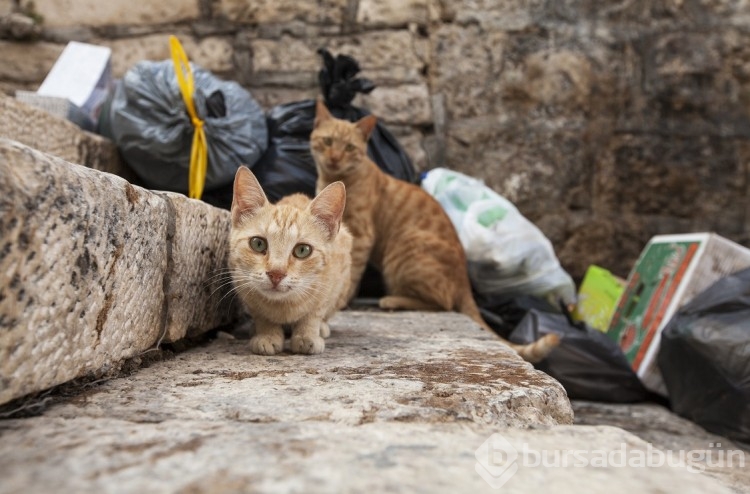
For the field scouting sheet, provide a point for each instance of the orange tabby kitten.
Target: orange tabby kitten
(399, 228)
(290, 263)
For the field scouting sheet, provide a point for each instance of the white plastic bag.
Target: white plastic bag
(507, 253)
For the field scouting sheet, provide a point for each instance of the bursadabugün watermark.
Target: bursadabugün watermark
(498, 459)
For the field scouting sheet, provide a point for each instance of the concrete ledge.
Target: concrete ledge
(94, 270)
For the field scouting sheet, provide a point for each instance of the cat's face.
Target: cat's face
(278, 251)
(339, 146)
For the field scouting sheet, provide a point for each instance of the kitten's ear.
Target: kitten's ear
(328, 207)
(366, 125)
(248, 195)
(321, 112)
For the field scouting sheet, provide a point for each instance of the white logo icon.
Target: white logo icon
(496, 461)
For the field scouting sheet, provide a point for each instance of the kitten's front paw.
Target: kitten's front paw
(309, 345)
(325, 330)
(266, 345)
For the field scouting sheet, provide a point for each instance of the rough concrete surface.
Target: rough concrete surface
(402, 402)
(94, 270)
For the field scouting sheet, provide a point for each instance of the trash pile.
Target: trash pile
(677, 329)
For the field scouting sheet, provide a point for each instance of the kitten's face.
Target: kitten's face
(339, 146)
(278, 251)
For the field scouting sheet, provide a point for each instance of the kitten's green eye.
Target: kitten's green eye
(327, 141)
(350, 147)
(301, 251)
(258, 244)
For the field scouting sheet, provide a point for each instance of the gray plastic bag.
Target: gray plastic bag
(151, 127)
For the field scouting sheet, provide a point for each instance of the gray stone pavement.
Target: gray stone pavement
(398, 402)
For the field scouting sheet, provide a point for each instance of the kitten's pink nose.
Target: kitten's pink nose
(275, 277)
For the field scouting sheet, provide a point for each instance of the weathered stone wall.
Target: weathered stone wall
(606, 122)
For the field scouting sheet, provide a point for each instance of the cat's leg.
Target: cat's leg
(268, 339)
(361, 250)
(325, 330)
(306, 336)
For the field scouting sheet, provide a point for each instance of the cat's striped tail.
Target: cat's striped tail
(531, 352)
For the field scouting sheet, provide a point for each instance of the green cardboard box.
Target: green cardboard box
(670, 271)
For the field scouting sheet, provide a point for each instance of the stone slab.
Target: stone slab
(377, 366)
(109, 455)
(58, 13)
(282, 11)
(402, 402)
(59, 137)
(94, 270)
(657, 425)
(27, 62)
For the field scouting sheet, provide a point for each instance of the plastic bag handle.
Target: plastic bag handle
(199, 150)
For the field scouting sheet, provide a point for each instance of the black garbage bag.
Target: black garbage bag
(287, 166)
(503, 312)
(148, 121)
(704, 358)
(588, 364)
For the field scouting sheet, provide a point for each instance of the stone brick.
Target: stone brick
(513, 15)
(59, 137)
(94, 13)
(282, 11)
(27, 62)
(94, 270)
(285, 55)
(386, 57)
(212, 53)
(268, 97)
(407, 104)
(467, 69)
(6, 7)
(392, 13)
(413, 402)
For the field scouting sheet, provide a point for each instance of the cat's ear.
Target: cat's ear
(328, 207)
(366, 125)
(248, 195)
(321, 113)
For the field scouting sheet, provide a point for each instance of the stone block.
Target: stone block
(6, 7)
(283, 11)
(95, 13)
(388, 57)
(94, 270)
(408, 104)
(468, 68)
(513, 15)
(27, 62)
(202, 455)
(213, 53)
(413, 402)
(392, 13)
(59, 137)
(402, 367)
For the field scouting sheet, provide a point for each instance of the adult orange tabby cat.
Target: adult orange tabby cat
(399, 228)
(289, 263)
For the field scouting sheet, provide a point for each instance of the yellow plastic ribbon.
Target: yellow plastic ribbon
(199, 150)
